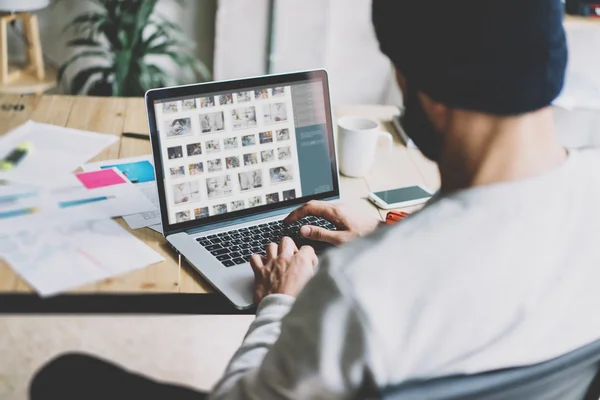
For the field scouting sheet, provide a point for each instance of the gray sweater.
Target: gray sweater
(489, 277)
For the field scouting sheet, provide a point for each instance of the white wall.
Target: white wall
(240, 38)
(332, 34)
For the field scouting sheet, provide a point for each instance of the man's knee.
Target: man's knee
(57, 377)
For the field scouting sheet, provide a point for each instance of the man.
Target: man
(500, 269)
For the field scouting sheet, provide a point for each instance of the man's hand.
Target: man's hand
(284, 270)
(348, 226)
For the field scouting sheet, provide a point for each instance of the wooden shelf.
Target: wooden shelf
(25, 83)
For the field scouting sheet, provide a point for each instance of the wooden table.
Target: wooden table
(399, 167)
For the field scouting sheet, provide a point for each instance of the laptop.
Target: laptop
(232, 159)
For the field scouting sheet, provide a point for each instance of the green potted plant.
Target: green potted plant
(125, 35)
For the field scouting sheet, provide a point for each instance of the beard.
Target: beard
(419, 128)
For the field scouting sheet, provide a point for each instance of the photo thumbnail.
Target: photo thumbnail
(289, 194)
(206, 102)
(201, 212)
(232, 162)
(250, 159)
(255, 201)
(189, 104)
(219, 186)
(243, 117)
(248, 140)
(225, 99)
(265, 137)
(178, 127)
(272, 198)
(182, 216)
(219, 209)
(267, 155)
(250, 180)
(244, 97)
(281, 174)
(169, 108)
(261, 94)
(196, 168)
(238, 205)
(274, 113)
(186, 192)
(212, 122)
(230, 143)
(177, 172)
(194, 149)
(214, 165)
(174, 152)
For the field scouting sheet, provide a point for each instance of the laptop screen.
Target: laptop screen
(242, 150)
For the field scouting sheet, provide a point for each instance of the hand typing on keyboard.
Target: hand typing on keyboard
(236, 246)
(347, 226)
(316, 224)
(283, 269)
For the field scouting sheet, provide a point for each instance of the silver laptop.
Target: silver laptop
(232, 159)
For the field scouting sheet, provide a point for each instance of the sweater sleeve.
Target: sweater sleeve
(316, 350)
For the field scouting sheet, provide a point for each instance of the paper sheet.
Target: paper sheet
(157, 228)
(54, 151)
(56, 259)
(70, 201)
(140, 171)
(102, 178)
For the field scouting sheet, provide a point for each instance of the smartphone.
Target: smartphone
(402, 197)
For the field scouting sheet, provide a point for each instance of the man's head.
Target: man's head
(500, 58)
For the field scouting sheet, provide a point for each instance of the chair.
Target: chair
(573, 376)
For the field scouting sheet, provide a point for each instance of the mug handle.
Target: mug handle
(389, 139)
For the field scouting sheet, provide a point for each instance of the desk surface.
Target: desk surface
(399, 167)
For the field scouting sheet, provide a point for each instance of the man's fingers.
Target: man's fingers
(257, 263)
(322, 235)
(271, 251)
(309, 253)
(315, 208)
(287, 247)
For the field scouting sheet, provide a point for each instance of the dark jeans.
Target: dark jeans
(78, 376)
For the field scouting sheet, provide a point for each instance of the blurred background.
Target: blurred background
(124, 47)
(231, 38)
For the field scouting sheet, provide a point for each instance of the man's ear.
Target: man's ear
(438, 113)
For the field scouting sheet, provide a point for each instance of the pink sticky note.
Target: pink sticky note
(98, 179)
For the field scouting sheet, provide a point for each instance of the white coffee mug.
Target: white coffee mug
(357, 144)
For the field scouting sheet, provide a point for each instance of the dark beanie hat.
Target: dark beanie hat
(502, 57)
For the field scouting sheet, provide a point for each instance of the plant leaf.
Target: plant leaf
(99, 87)
(86, 18)
(159, 33)
(188, 61)
(156, 77)
(133, 19)
(168, 45)
(110, 31)
(83, 42)
(83, 76)
(75, 57)
(167, 25)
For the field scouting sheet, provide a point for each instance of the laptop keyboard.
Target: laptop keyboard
(236, 246)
